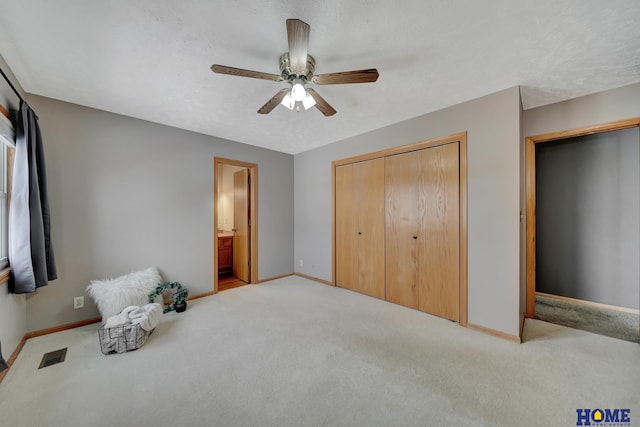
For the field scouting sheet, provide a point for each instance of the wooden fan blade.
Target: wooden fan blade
(223, 69)
(298, 34)
(273, 102)
(321, 104)
(358, 76)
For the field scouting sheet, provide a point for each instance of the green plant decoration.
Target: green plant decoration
(179, 299)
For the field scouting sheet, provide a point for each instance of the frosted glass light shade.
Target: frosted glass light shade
(308, 101)
(297, 92)
(288, 102)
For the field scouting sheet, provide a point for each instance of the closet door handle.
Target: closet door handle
(415, 237)
(359, 232)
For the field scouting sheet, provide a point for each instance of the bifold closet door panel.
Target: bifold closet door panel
(371, 228)
(346, 227)
(422, 230)
(402, 216)
(360, 227)
(439, 246)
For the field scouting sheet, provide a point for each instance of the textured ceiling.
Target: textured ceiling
(150, 59)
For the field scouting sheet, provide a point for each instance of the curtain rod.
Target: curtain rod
(11, 85)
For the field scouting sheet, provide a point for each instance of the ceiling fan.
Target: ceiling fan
(296, 68)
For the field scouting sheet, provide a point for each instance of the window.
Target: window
(6, 140)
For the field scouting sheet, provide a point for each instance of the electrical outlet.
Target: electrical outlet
(78, 302)
(301, 263)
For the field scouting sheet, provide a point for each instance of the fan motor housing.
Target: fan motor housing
(288, 74)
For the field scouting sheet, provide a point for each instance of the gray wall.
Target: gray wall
(493, 126)
(523, 225)
(588, 218)
(603, 107)
(126, 194)
(616, 104)
(13, 308)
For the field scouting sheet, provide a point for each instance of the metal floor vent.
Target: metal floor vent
(53, 357)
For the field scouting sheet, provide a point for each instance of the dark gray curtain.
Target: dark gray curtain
(3, 364)
(30, 251)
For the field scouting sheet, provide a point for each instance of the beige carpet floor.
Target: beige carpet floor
(297, 353)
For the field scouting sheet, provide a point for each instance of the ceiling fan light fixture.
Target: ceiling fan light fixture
(297, 92)
(308, 101)
(297, 68)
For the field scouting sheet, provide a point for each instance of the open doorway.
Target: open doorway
(235, 223)
(582, 228)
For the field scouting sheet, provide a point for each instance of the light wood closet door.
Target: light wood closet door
(402, 217)
(422, 230)
(371, 225)
(241, 223)
(360, 227)
(440, 226)
(346, 227)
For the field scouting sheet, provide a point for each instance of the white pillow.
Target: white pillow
(114, 295)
